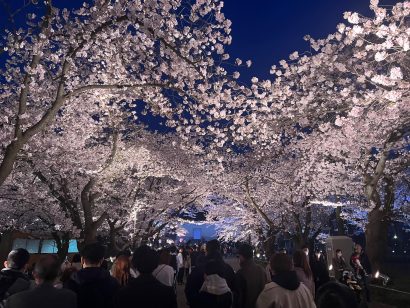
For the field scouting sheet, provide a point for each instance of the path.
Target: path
(181, 297)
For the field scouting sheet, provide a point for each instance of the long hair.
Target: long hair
(121, 270)
(300, 259)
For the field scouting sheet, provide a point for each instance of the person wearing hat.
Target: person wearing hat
(249, 280)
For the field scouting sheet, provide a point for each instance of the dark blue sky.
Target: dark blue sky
(266, 31)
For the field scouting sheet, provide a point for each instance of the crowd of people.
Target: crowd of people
(148, 278)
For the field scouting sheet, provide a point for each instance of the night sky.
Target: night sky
(265, 31)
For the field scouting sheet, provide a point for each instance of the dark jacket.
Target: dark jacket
(44, 296)
(339, 265)
(196, 278)
(94, 287)
(146, 292)
(207, 300)
(249, 283)
(287, 280)
(11, 282)
(319, 270)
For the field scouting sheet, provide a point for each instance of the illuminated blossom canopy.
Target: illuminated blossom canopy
(331, 126)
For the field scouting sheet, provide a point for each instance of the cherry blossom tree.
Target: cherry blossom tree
(166, 54)
(92, 173)
(344, 110)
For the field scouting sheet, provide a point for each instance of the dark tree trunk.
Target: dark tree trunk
(298, 242)
(63, 243)
(378, 224)
(6, 243)
(339, 221)
(376, 237)
(269, 243)
(10, 156)
(90, 235)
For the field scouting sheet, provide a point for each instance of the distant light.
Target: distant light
(326, 203)
(392, 251)
(395, 237)
(377, 275)
(330, 267)
(404, 251)
(258, 255)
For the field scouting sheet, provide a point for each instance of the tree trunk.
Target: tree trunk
(339, 221)
(112, 249)
(378, 225)
(63, 243)
(269, 243)
(299, 241)
(10, 155)
(376, 237)
(6, 243)
(90, 235)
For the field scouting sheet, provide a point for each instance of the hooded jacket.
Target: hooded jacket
(285, 291)
(94, 287)
(196, 278)
(214, 293)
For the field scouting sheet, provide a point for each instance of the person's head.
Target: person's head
(301, 260)
(212, 247)
(338, 253)
(47, 269)
(67, 273)
(281, 263)
(305, 249)
(92, 255)
(17, 259)
(358, 248)
(76, 258)
(214, 268)
(336, 295)
(245, 253)
(121, 269)
(173, 249)
(164, 257)
(145, 260)
(126, 253)
(104, 264)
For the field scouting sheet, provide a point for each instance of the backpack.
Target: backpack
(92, 294)
(10, 284)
